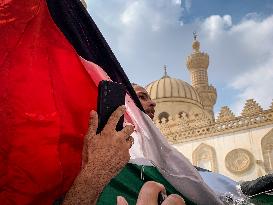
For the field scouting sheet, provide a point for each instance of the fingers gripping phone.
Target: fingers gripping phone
(111, 95)
(161, 197)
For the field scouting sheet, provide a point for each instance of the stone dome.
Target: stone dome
(168, 87)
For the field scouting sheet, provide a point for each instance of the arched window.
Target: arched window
(163, 115)
(267, 149)
(204, 156)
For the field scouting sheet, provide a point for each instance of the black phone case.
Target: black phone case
(111, 96)
(161, 198)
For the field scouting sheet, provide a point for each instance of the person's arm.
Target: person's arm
(104, 155)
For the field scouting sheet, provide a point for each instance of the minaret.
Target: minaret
(197, 64)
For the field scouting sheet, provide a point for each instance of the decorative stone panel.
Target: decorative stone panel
(251, 108)
(239, 161)
(225, 115)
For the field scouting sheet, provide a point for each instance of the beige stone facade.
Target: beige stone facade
(242, 154)
(240, 147)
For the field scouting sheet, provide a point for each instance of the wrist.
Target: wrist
(95, 175)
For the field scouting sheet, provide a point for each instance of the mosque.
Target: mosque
(240, 147)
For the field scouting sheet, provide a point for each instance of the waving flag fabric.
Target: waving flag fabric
(45, 99)
(81, 31)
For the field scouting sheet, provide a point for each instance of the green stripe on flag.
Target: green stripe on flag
(128, 184)
(262, 200)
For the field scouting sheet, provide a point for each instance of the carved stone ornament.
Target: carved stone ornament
(251, 108)
(225, 115)
(239, 161)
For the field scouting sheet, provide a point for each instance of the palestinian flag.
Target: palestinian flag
(51, 60)
(45, 99)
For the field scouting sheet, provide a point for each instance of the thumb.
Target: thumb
(174, 199)
(121, 201)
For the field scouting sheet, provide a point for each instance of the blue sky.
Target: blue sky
(237, 34)
(237, 8)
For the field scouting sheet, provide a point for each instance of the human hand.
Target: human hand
(103, 156)
(148, 195)
(109, 145)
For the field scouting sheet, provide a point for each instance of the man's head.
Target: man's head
(147, 103)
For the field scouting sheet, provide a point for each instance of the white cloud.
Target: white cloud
(215, 25)
(134, 28)
(257, 81)
(140, 14)
(256, 34)
(245, 55)
(130, 15)
(178, 2)
(257, 84)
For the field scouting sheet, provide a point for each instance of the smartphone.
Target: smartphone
(111, 95)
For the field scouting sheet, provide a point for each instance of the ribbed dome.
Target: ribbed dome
(168, 87)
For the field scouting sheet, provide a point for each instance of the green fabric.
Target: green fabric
(262, 200)
(128, 184)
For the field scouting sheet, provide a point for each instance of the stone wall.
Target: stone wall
(239, 147)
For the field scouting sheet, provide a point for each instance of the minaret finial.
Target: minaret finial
(165, 72)
(194, 35)
(195, 43)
